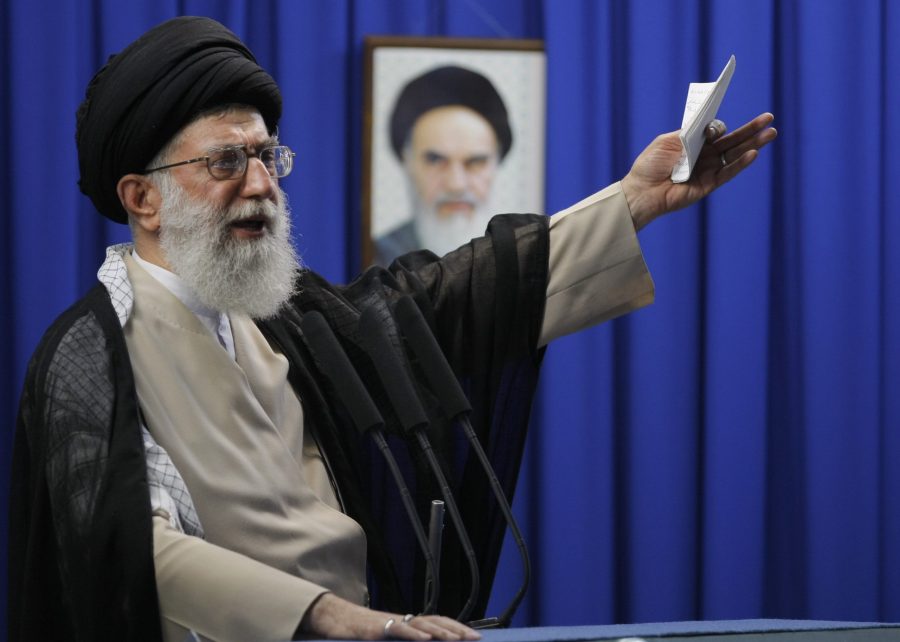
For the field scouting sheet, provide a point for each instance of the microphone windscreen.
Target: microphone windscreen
(396, 382)
(424, 345)
(337, 367)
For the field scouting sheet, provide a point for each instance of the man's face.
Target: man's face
(237, 126)
(452, 158)
(229, 240)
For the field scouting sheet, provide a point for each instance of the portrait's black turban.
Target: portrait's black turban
(443, 87)
(146, 93)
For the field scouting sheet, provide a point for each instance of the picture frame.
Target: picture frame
(414, 168)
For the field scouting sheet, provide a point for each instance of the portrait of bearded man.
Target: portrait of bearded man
(450, 131)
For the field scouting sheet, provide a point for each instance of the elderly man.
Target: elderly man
(181, 464)
(450, 130)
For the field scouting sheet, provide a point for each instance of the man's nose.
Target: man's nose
(455, 178)
(257, 183)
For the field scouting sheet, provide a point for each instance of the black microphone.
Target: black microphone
(413, 419)
(337, 367)
(444, 385)
(353, 394)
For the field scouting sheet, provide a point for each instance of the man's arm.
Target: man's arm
(221, 594)
(597, 271)
(224, 595)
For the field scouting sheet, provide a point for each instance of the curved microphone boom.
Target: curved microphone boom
(413, 419)
(444, 385)
(346, 382)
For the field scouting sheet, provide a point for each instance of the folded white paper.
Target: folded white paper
(700, 109)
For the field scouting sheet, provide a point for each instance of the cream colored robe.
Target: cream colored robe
(273, 541)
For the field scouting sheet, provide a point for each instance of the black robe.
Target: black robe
(80, 535)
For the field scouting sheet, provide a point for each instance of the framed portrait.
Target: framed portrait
(453, 133)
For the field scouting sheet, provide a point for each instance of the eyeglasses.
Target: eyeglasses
(228, 163)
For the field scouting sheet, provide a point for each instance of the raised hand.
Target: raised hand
(648, 186)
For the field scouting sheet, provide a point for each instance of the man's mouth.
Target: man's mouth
(250, 226)
(449, 207)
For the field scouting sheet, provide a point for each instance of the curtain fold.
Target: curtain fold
(730, 451)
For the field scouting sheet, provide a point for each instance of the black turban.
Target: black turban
(145, 94)
(447, 86)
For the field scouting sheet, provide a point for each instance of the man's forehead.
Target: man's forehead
(239, 126)
(454, 127)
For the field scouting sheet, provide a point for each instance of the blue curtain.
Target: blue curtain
(730, 451)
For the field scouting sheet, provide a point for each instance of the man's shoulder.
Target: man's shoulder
(82, 330)
(400, 240)
(404, 233)
(72, 378)
(94, 305)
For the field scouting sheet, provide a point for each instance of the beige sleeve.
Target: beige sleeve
(222, 595)
(597, 271)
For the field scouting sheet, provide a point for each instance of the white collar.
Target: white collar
(114, 276)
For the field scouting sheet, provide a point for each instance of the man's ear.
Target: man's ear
(141, 199)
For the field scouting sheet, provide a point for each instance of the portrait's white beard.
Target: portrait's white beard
(254, 276)
(442, 234)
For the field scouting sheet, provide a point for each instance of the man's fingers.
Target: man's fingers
(736, 167)
(741, 134)
(400, 630)
(442, 628)
(757, 142)
(714, 130)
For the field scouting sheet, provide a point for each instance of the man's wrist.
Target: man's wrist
(633, 200)
(307, 621)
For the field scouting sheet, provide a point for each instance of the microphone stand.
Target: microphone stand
(413, 419)
(346, 382)
(505, 618)
(444, 384)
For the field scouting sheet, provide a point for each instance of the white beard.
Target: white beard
(442, 234)
(253, 276)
